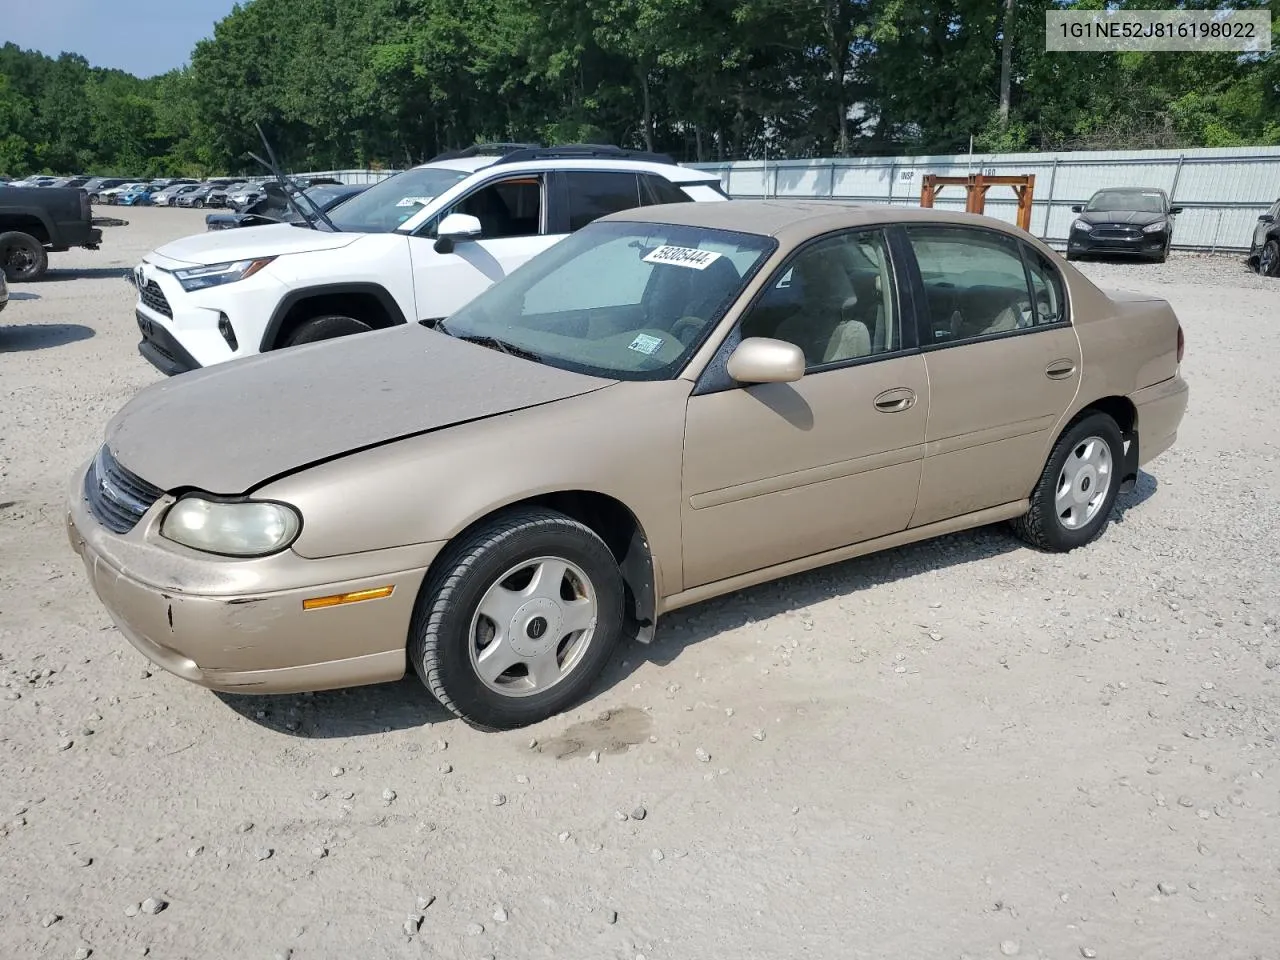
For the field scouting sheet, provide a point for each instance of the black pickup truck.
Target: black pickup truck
(37, 221)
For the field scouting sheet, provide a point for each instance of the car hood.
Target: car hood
(269, 241)
(229, 428)
(1136, 218)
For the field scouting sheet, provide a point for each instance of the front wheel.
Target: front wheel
(326, 328)
(198, 204)
(518, 620)
(1073, 498)
(1269, 259)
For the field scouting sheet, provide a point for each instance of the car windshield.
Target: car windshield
(630, 301)
(389, 203)
(1144, 201)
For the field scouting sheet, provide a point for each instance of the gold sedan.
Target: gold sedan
(676, 402)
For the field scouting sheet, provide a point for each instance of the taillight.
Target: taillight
(1182, 343)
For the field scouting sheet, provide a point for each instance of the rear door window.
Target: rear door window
(595, 194)
(974, 281)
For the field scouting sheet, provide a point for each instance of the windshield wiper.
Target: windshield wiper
(274, 167)
(501, 345)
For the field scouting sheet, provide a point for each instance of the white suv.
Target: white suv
(414, 247)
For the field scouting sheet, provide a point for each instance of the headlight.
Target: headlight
(1155, 227)
(198, 278)
(244, 528)
(1079, 225)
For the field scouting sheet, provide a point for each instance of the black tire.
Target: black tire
(328, 327)
(22, 257)
(1164, 255)
(440, 633)
(1270, 257)
(1040, 526)
(198, 204)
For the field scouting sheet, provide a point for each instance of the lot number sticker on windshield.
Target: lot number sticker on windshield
(646, 344)
(415, 201)
(683, 257)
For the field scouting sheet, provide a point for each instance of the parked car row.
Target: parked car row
(218, 192)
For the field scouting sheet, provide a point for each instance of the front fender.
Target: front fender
(625, 441)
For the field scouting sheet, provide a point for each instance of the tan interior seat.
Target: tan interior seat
(825, 326)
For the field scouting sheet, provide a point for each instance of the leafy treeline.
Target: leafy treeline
(390, 82)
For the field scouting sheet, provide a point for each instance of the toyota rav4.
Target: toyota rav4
(414, 247)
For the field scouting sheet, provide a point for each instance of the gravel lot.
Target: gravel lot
(963, 748)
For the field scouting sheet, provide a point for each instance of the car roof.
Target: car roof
(795, 220)
(1128, 190)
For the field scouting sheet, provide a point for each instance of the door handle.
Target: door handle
(1060, 369)
(896, 400)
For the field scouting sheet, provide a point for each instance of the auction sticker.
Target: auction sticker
(683, 257)
(644, 343)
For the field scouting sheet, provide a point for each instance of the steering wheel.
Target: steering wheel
(686, 328)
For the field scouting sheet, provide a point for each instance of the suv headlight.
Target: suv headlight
(215, 275)
(234, 528)
(1079, 225)
(1155, 227)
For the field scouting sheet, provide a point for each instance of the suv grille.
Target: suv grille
(154, 298)
(117, 498)
(1117, 233)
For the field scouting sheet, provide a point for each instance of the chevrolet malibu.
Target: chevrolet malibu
(675, 403)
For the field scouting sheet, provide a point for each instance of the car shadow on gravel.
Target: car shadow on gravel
(23, 337)
(699, 622)
(354, 712)
(406, 704)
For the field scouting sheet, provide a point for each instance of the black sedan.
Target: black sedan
(1124, 221)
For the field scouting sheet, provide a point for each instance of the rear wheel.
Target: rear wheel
(518, 620)
(1073, 498)
(22, 257)
(327, 327)
(1269, 259)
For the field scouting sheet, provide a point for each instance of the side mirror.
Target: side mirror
(1077, 208)
(1266, 218)
(454, 228)
(765, 360)
(1175, 210)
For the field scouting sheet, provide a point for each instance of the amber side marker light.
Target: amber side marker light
(337, 599)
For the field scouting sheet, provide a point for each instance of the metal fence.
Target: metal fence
(1222, 190)
(351, 176)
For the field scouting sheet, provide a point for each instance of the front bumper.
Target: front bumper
(180, 329)
(239, 625)
(159, 347)
(1118, 242)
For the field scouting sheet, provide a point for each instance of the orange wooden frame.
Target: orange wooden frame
(976, 186)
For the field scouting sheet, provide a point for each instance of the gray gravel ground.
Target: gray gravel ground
(964, 748)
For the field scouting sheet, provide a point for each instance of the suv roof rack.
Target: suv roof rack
(484, 150)
(583, 151)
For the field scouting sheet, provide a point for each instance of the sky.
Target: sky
(144, 37)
